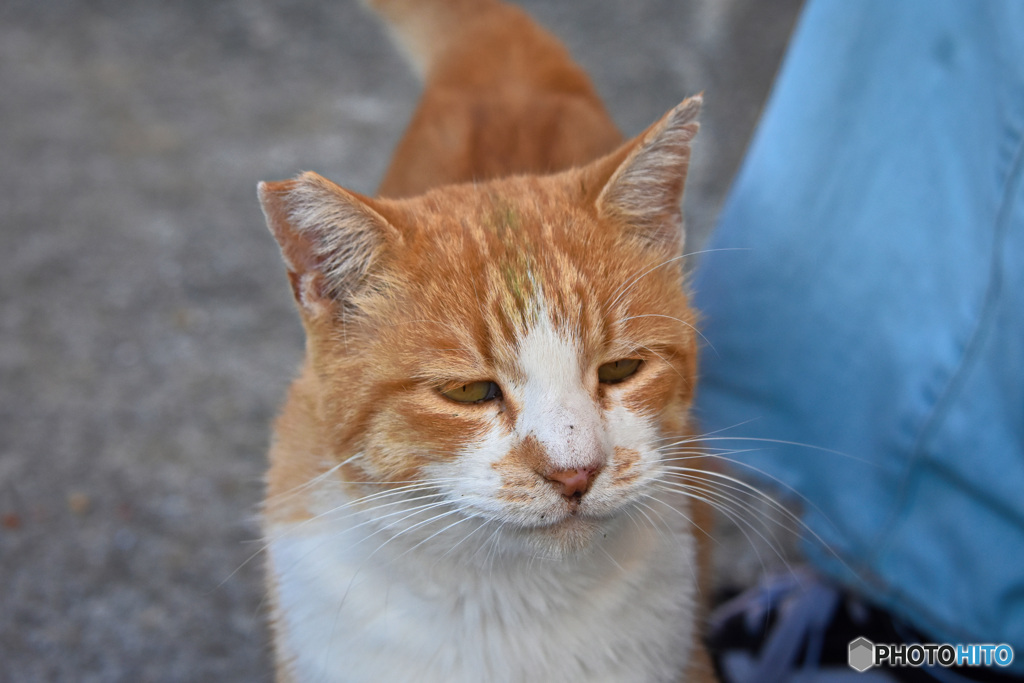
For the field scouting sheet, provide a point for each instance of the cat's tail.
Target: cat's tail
(424, 29)
(480, 43)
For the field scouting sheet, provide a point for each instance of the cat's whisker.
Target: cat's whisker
(664, 530)
(680, 454)
(492, 543)
(669, 317)
(423, 485)
(799, 528)
(688, 442)
(722, 454)
(629, 513)
(417, 525)
(740, 523)
(269, 541)
(480, 525)
(802, 530)
(624, 289)
(437, 533)
(693, 446)
(372, 518)
(371, 554)
(734, 483)
(678, 511)
(412, 512)
(718, 489)
(373, 497)
(391, 525)
(411, 487)
(359, 503)
(612, 559)
(693, 524)
(286, 495)
(418, 320)
(782, 442)
(767, 519)
(721, 480)
(698, 437)
(790, 491)
(665, 360)
(693, 568)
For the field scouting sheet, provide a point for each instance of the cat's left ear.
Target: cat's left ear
(643, 181)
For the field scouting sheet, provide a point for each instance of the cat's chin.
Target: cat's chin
(567, 537)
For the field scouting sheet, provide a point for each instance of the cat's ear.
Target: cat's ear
(329, 238)
(642, 183)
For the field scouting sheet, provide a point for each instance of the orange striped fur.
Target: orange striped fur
(520, 244)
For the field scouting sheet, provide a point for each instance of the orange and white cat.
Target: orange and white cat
(469, 479)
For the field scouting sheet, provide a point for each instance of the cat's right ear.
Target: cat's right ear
(641, 184)
(329, 238)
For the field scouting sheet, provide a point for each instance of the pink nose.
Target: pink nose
(573, 483)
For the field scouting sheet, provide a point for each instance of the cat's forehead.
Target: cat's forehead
(513, 257)
(512, 215)
(514, 279)
(526, 235)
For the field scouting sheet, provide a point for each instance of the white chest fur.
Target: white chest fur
(352, 609)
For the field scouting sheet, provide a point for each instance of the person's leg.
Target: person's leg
(864, 293)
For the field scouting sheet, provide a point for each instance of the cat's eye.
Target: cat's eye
(610, 373)
(473, 392)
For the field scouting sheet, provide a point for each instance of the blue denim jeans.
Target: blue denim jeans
(864, 294)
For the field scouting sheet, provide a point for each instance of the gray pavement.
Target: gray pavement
(146, 328)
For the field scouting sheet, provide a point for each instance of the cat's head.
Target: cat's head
(522, 347)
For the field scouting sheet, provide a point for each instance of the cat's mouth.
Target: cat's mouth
(574, 511)
(574, 526)
(573, 502)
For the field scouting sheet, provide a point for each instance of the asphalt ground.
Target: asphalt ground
(147, 332)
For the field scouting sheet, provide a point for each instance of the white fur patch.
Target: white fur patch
(557, 408)
(354, 608)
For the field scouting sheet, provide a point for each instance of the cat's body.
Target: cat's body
(467, 481)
